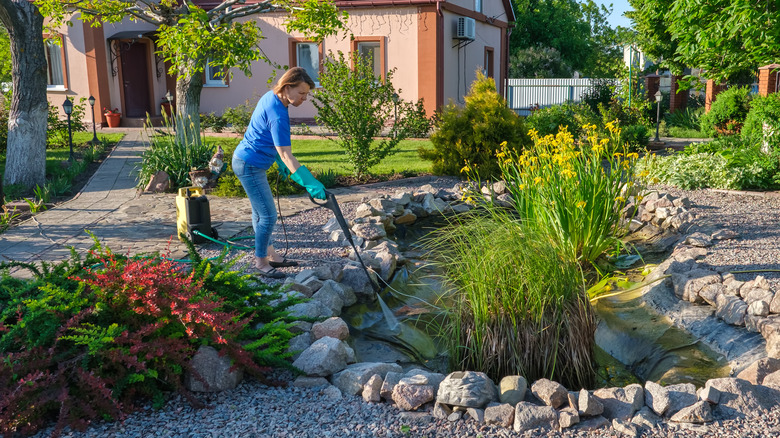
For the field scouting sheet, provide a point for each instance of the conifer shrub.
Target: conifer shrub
(471, 134)
(98, 337)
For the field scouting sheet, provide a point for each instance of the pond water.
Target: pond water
(634, 343)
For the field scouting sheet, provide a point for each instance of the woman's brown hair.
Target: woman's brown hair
(292, 78)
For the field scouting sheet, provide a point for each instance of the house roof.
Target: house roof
(510, 12)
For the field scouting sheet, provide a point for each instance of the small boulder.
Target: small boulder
(333, 327)
(588, 404)
(323, 358)
(352, 378)
(698, 413)
(371, 389)
(656, 397)
(471, 389)
(411, 397)
(512, 389)
(500, 414)
(528, 416)
(549, 392)
(216, 371)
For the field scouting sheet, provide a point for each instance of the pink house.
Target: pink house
(436, 46)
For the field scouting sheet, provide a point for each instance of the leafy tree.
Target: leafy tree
(538, 62)
(188, 36)
(357, 105)
(5, 55)
(652, 32)
(728, 38)
(577, 31)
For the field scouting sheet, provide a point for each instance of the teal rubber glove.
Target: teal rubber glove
(303, 177)
(284, 172)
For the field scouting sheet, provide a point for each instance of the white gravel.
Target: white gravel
(255, 410)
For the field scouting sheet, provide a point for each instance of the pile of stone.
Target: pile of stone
(661, 210)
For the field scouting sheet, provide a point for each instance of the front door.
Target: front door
(135, 80)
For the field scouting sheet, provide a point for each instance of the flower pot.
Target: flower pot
(113, 120)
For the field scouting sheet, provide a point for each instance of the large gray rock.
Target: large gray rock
(300, 343)
(656, 397)
(342, 290)
(323, 358)
(698, 413)
(740, 398)
(333, 327)
(471, 389)
(351, 380)
(549, 392)
(424, 377)
(356, 279)
(588, 404)
(710, 292)
(214, 369)
(500, 414)
(681, 396)
(371, 389)
(731, 310)
(758, 370)
(621, 403)
(568, 417)
(311, 309)
(329, 298)
(411, 397)
(369, 231)
(625, 428)
(687, 286)
(512, 389)
(528, 416)
(645, 417)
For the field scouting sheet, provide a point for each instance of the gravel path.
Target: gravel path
(255, 410)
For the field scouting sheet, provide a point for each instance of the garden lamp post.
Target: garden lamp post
(91, 101)
(67, 106)
(169, 98)
(395, 111)
(658, 97)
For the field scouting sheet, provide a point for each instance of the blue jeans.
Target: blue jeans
(258, 191)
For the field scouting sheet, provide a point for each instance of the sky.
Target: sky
(618, 7)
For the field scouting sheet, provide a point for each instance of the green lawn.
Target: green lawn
(56, 156)
(325, 155)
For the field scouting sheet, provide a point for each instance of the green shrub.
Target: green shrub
(97, 338)
(634, 127)
(238, 117)
(728, 112)
(763, 110)
(167, 153)
(688, 118)
(357, 105)
(213, 121)
(472, 134)
(548, 120)
(57, 130)
(601, 92)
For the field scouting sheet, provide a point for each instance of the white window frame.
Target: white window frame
(50, 46)
(315, 50)
(208, 77)
(478, 5)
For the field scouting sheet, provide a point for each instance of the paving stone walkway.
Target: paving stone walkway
(127, 220)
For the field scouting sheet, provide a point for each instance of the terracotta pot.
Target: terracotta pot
(113, 120)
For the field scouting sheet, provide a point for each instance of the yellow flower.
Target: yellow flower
(620, 199)
(581, 204)
(537, 180)
(465, 168)
(500, 154)
(632, 155)
(503, 144)
(521, 187)
(617, 155)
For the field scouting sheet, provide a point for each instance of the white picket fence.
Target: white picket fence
(525, 94)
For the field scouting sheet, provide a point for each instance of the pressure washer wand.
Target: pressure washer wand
(331, 204)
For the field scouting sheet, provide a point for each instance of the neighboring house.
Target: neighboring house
(436, 46)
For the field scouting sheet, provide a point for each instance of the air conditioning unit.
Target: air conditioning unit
(465, 28)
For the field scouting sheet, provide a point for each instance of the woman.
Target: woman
(267, 139)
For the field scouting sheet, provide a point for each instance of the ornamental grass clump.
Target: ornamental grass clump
(572, 191)
(520, 306)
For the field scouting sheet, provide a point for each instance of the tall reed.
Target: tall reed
(521, 306)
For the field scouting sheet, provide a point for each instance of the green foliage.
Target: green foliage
(550, 119)
(357, 106)
(726, 38)
(634, 128)
(99, 337)
(167, 153)
(728, 112)
(5, 55)
(538, 62)
(724, 163)
(213, 121)
(519, 305)
(600, 92)
(688, 118)
(763, 110)
(238, 117)
(652, 32)
(472, 134)
(57, 131)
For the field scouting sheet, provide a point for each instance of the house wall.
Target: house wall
(397, 25)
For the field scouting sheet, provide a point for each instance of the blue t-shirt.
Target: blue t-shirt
(268, 128)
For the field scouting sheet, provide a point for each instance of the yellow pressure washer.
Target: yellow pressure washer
(193, 216)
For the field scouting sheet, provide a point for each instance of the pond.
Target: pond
(634, 342)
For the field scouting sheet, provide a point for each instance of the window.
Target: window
(55, 62)
(372, 51)
(478, 5)
(372, 48)
(307, 55)
(214, 76)
(489, 62)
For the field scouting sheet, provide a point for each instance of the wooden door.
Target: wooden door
(135, 80)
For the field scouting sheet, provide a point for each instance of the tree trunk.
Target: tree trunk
(26, 154)
(188, 88)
